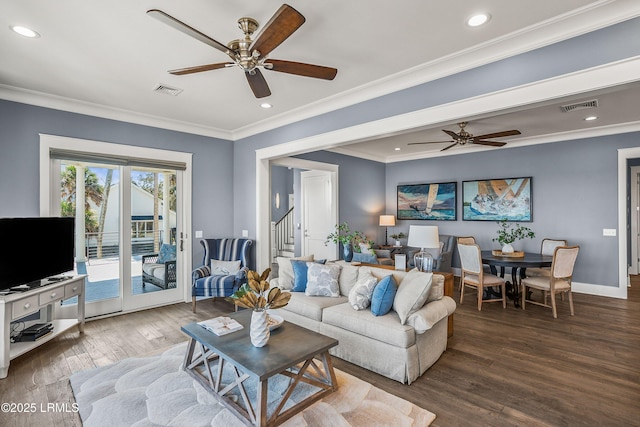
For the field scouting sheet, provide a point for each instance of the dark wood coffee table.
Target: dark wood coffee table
(296, 352)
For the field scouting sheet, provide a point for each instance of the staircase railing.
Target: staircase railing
(283, 231)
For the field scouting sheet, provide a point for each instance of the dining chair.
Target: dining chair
(558, 281)
(546, 248)
(474, 276)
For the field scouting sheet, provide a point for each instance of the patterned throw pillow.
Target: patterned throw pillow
(167, 253)
(366, 248)
(360, 294)
(300, 270)
(224, 268)
(322, 280)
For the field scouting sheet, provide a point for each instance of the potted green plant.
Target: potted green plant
(510, 232)
(345, 236)
(397, 237)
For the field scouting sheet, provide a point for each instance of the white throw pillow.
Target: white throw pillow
(322, 280)
(360, 295)
(412, 293)
(285, 271)
(224, 268)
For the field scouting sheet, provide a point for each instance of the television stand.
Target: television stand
(47, 296)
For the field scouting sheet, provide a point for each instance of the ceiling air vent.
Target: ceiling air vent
(167, 90)
(579, 106)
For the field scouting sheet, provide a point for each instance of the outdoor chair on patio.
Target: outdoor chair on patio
(224, 268)
(160, 269)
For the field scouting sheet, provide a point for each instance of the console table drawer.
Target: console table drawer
(71, 290)
(51, 296)
(25, 307)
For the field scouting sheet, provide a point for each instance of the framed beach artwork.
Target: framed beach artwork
(497, 199)
(435, 201)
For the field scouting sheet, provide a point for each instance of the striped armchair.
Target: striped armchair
(220, 284)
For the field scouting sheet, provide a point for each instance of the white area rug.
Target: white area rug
(154, 391)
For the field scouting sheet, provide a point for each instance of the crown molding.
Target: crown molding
(41, 99)
(583, 20)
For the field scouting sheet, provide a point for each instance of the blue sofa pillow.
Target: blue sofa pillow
(300, 270)
(366, 258)
(383, 295)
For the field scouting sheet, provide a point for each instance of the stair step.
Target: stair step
(286, 254)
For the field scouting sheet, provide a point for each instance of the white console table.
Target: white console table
(48, 296)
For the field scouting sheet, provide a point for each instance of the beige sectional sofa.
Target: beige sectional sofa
(378, 343)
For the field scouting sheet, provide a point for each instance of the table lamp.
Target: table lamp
(387, 221)
(423, 236)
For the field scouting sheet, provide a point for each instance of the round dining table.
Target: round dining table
(518, 267)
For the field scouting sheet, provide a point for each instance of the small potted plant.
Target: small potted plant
(509, 233)
(345, 237)
(397, 237)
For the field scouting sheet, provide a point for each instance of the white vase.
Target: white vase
(259, 329)
(507, 249)
(397, 242)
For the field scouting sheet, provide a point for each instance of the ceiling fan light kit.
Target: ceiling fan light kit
(463, 137)
(252, 55)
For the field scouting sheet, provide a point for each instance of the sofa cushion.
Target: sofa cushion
(311, 307)
(154, 269)
(224, 268)
(430, 314)
(348, 277)
(412, 293)
(385, 328)
(360, 294)
(322, 280)
(285, 270)
(383, 296)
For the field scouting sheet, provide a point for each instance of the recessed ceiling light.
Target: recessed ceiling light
(590, 118)
(24, 31)
(266, 105)
(479, 19)
(397, 149)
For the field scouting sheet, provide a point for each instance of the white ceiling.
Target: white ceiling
(104, 58)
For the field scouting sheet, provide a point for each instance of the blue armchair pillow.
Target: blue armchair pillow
(167, 253)
(366, 258)
(383, 296)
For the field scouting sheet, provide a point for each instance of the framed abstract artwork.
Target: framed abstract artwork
(497, 199)
(436, 201)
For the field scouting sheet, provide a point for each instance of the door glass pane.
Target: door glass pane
(98, 243)
(153, 230)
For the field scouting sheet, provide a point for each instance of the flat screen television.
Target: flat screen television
(32, 249)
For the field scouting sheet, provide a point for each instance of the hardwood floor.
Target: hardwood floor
(503, 367)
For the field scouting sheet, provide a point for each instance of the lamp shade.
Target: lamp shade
(387, 221)
(423, 236)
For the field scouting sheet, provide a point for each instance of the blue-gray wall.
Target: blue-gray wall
(21, 124)
(282, 183)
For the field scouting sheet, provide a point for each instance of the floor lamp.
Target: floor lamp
(423, 236)
(387, 221)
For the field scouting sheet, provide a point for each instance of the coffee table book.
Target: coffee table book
(221, 325)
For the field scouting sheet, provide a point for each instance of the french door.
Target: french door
(129, 227)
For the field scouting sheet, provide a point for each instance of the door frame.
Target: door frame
(264, 161)
(47, 203)
(634, 217)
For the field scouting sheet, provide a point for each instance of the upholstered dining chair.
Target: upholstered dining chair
(558, 281)
(224, 268)
(546, 248)
(474, 276)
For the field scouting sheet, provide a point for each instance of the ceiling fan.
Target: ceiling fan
(252, 55)
(463, 137)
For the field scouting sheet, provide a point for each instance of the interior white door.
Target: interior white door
(319, 213)
(634, 219)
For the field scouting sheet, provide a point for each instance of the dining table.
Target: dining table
(518, 265)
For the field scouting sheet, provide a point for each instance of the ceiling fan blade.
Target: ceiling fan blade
(453, 135)
(258, 84)
(498, 134)
(302, 69)
(492, 143)
(281, 25)
(430, 142)
(188, 30)
(199, 68)
(452, 145)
